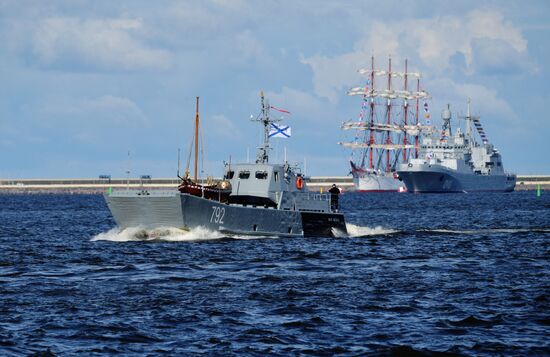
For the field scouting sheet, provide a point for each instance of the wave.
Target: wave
(485, 230)
(163, 234)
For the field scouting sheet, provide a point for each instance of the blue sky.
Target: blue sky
(84, 82)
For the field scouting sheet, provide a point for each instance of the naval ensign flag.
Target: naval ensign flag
(279, 131)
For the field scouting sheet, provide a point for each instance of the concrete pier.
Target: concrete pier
(94, 186)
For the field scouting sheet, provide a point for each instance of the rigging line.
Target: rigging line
(189, 155)
(397, 153)
(380, 152)
(364, 157)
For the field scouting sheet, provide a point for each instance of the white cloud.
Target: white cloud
(105, 109)
(484, 100)
(498, 57)
(223, 127)
(332, 75)
(303, 106)
(202, 23)
(117, 109)
(249, 48)
(440, 38)
(434, 42)
(99, 43)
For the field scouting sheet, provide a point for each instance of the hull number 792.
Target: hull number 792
(217, 214)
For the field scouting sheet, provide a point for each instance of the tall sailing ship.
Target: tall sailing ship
(387, 129)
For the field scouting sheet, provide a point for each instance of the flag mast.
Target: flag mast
(405, 107)
(388, 139)
(371, 111)
(416, 123)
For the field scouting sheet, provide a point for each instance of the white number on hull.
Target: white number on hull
(217, 214)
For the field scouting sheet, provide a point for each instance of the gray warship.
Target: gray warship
(260, 199)
(448, 162)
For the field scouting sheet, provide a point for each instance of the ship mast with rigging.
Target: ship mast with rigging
(377, 137)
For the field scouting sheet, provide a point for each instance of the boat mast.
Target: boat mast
(262, 156)
(196, 138)
(405, 107)
(416, 121)
(371, 141)
(468, 125)
(388, 140)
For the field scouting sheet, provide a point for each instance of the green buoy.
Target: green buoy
(110, 190)
(538, 190)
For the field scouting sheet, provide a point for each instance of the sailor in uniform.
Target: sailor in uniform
(334, 193)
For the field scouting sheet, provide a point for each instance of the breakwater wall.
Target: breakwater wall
(94, 186)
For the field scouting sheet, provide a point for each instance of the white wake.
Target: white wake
(165, 234)
(171, 234)
(363, 231)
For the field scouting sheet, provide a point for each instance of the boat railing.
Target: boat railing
(318, 196)
(121, 192)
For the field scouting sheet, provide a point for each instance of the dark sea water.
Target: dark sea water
(428, 275)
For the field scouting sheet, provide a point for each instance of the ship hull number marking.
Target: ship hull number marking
(217, 215)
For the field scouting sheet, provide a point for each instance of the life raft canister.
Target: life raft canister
(299, 182)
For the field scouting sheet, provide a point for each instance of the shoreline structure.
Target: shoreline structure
(101, 185)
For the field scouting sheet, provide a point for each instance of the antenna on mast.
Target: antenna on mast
(262, 155)
(446, 116)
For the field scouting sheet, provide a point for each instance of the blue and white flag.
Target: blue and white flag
(279, 131)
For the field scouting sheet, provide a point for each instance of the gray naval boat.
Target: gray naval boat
(456, 162)
(260, 199)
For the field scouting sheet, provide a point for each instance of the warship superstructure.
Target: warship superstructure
(260, 198)
(387, 129)
(456, 162)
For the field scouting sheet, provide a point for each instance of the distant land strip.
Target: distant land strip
(101, 185)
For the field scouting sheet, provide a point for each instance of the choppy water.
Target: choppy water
(426, 274)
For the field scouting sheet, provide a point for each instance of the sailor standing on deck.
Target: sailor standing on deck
(334, 192)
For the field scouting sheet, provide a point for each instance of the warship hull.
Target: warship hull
(174, 209)
(433, 179)
(384, 182)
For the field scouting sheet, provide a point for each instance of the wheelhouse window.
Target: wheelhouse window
(261, 175)
(244, 175)
(229, 175)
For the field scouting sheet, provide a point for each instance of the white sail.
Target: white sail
(377, 72)
(380, 127)
(376, 146)
(388, 93)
